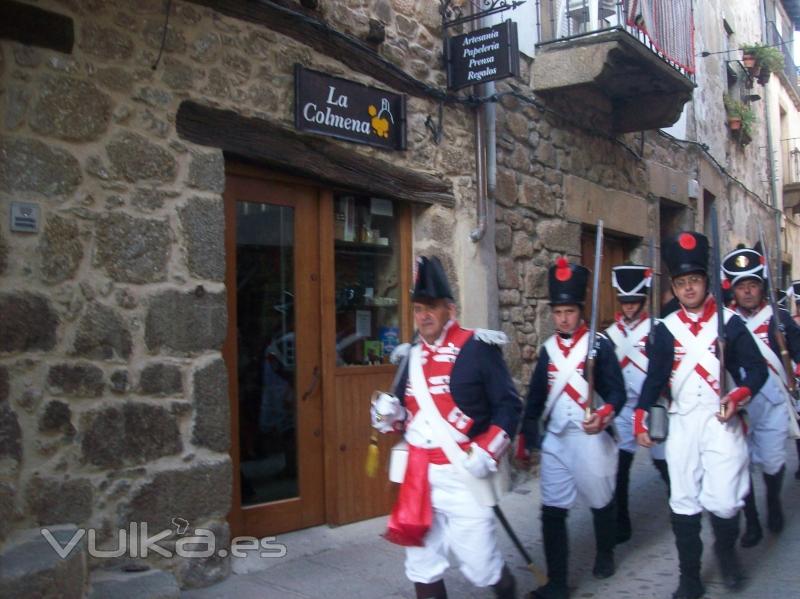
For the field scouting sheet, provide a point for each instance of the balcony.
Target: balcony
(630, 62)
(791, 180)
(789, 70)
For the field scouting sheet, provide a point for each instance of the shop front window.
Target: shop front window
(367, 269)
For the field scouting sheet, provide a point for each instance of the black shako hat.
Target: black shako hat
(567, 283)
(632, 282)
(686, 252)
(431, 282)
(793, 291)
(741, 264)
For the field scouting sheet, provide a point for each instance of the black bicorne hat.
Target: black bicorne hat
(686, 252)
(743, 263)
(567, 283)
(431, 282)
(632, 282)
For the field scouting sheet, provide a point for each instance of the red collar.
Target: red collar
(566, 345)
(624, 327)
(709, 309)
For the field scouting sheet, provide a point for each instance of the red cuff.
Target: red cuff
(521, 453)
(606, 412)
(737, 397)
(797, 369)
(640, 421)
(494, 441)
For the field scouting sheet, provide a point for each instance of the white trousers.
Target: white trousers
(461, 525)
(766, 437)
(708, 463)
(574, 462)
(627, 440)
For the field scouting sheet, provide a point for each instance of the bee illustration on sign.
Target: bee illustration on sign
(380, 124)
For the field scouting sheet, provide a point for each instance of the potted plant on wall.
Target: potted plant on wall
(761, 61)
(741, 119)
(770, 60)
(749, 57)
(733, 108)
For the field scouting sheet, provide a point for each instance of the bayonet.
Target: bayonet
(591, 354)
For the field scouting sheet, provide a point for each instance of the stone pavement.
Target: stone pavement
(353, 562)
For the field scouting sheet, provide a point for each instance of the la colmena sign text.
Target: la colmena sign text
(483, 55)
(340, 108)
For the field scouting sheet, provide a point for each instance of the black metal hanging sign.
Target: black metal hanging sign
(483, 55)
(340, 108)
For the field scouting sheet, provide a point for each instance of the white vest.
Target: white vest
(562, 409)
(774, 389)
(688, 387)
(631, 345)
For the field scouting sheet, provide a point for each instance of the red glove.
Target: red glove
(640, 421)
(737, 397)
(494, 441)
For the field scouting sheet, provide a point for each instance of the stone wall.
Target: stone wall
(113, 392)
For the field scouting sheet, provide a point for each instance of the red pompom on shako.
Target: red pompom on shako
(687, 241)
(726, 284)
(563, 271)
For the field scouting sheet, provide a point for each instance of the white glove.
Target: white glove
(478, 462)
(385, 412)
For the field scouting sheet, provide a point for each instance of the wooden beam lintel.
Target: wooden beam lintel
(308, 156)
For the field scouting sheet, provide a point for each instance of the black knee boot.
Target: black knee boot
(605, 534)
(621, 496)
(506, 587)
(726, 531)
(661, 466)
(797, 445)
(556, 552)
(690, 552)
(752, 527)
(774, 483)
(430, 590)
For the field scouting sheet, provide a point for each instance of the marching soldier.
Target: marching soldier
(456, 383)
(793, 296)
(577, 456)
(768, 416)
(706, 449)
(629, 335)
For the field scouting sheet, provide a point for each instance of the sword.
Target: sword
(541, 577)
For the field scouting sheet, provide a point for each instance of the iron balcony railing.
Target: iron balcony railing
(665, 28)
(774, 39)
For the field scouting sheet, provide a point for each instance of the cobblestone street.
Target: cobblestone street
(354, 562)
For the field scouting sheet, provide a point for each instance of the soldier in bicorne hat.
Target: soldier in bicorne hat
(467, 382)
(706, 450)
(769, 419)
(577, 456)
(629, 335)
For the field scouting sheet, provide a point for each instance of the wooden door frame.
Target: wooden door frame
(239, 521)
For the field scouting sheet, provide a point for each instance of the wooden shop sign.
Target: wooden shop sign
(483, 55)
(347, 110)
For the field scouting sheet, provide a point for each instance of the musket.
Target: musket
(780, 333)
(591, 354)
(716, 289)
(652, 334)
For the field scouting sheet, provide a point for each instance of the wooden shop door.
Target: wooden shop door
(272, 354)
(615, 253)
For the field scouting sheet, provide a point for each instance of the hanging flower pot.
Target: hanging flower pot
(764, 75)
(734, 123)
